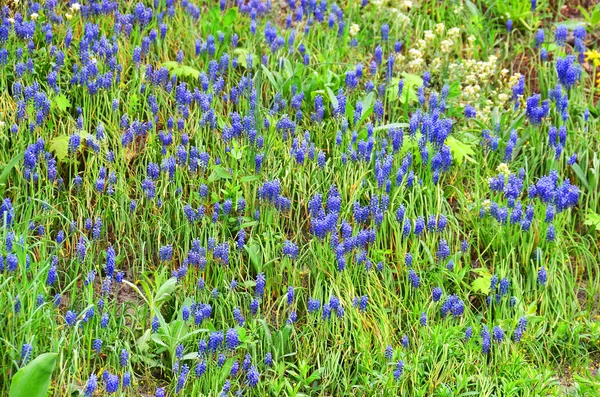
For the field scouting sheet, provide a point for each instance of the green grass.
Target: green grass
(559, 353)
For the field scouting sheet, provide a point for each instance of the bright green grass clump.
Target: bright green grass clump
(298, 198)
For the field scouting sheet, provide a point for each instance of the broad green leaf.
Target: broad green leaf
(332, 97)
(571, 24)
(33, 380)
(133, 102)
(62, 103)
(142, 342)
(180, 70)
(242, 55)
(188, 71)
(391, 125)
(461, 150)
(219, 173)
(253, 251)
(60, 147)
(230, 16)
(482, 284)
(250, 178)
(412, 80)
(592, 219)
(165, 291)
(472, 8)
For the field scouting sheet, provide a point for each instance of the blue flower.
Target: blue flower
(252, 377)
(70, 318)
(268, 359)
(123, 358)
(414, 279)
(399, 369)
(468, 333)
(560, 35)
(436, 294)
(290, 249)
(485, 340)
(90, 386)
(542, 277)
(165, 252)
(232, 339)
(260, 285)
(404, 340)
(498, 334)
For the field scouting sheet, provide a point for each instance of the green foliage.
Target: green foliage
(33, 380)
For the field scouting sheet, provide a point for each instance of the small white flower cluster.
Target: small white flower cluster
(73, 9)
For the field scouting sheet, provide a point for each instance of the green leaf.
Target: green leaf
(482, 284)
(180, 70)
(461, 150)
(472, 8)
(592, 219)
(249, 178)
(270, 76)
(165, 291)
(60, 147)
(581, 175)
(230, 16)
(571, 24)
(62, 103)
(142, 342)
(9, 167)
(332, 97)
(219, 173)
(33, 380)
(412, 80)
(133, 102)
(391, 125)
(242, 55)
(253, 251)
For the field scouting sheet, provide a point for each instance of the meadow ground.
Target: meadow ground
(299, 197)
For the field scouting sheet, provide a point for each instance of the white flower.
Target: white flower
(354, 29)
(503, 169)
(69, 16)
(453, 33)
(34, 16)
(377, 2)
(406, 4)
(440, 28)
(486, 204)
(75, 7)
(446, 45)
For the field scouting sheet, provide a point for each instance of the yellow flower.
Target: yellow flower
(593, 57)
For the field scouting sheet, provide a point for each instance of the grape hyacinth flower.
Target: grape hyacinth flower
(560, 35)
(399, 369)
